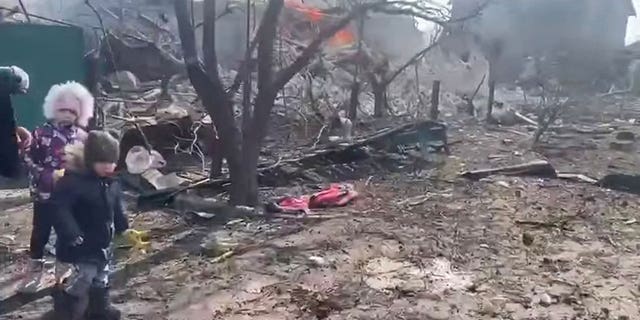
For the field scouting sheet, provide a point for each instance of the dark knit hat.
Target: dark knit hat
(101, 146)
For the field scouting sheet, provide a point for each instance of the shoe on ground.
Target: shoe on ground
(32, 281)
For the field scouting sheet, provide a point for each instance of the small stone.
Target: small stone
(125, 80)
(503, 184)
(487, 308)
(507, 141)
(527, 239)
(317, 261)
(545, 300)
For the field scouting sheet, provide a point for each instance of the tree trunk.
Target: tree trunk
(435, 100)
(212, 93)
(492, 91)
(239, 187)
(380, 100)
(257, 125)
(250, 159)
(242, 149)
(353, 101)
(216, 154)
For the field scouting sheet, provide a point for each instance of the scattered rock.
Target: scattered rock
(503, 115)
(626, 135)
(545, 300)
(620, 145)
(214, 247)
(437, 315)
(527, 239)
(503, 184)
(317, 261)
(124, 80)
(623, 141)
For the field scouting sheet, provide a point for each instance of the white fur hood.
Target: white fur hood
(77, 90)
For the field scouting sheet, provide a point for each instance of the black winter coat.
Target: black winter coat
(90, 207)
(10, 164)
(9, 158)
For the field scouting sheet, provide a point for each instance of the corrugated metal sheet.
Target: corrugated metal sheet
(50, 54)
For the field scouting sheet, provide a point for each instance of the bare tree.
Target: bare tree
(552, 103)
(241, 144)
(536, 75)
(379, 73)
(242, 147)
(380, 77)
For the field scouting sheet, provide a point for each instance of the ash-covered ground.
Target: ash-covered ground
(421, 245)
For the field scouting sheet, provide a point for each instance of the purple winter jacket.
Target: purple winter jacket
(46, 156)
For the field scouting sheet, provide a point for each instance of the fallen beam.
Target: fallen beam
(538, 168)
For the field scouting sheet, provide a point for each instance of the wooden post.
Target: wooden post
(435, 100)
(492, 91)
(419, 106)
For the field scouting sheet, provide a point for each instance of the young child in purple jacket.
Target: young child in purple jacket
(67, 108)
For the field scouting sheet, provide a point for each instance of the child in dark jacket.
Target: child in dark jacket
(89, 213)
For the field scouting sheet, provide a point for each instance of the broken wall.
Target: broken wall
(579, 38)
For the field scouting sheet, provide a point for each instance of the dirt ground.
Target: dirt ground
(425, 245)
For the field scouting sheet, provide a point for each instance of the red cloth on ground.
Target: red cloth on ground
(336, 195)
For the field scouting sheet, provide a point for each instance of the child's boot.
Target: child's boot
(66, 306)
(100, 307)
(62, 272)
(33, 277)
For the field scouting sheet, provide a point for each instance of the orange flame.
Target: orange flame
(313, 14)
(343, 37)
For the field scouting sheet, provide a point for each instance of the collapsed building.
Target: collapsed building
(579, 41)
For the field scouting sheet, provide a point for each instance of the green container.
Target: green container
(50, 54)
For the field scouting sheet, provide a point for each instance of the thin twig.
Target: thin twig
(24, 11)
(107, 99)
(193, 148)
(315, 144)
(478, 87)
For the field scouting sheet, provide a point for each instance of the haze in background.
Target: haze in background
(633, 26)
(60, 9)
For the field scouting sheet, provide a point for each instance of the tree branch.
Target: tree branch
(266, 43)
(436, 15)
(24, 11)
(411, 61)
(186, 33)
(283, 76)
(201, 81)
(245, 66)
(209, 88)
(209, 38)
(266, 90)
